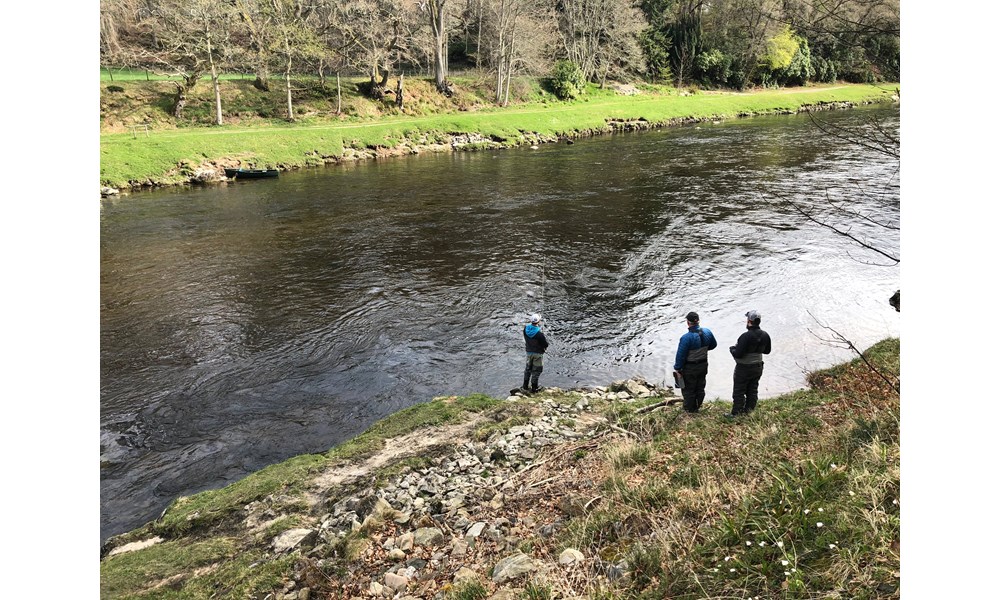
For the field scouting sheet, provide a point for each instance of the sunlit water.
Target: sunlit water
(247, 323)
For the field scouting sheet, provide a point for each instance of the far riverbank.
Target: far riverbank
(199, 155)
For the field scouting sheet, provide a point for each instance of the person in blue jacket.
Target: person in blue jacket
(691, 362)
(534, 345)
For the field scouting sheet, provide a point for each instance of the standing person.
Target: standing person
(749, 353)
(692, 362)
(535, 345)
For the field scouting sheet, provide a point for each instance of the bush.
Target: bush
(825, 70)
(715, 67)
(800, 70)
(115, 88)
(568, 81)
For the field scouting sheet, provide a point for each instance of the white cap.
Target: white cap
(535, 318)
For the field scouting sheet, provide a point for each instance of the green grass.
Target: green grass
(800, 500)
(183, 570)
(169, 156)
(209, 508)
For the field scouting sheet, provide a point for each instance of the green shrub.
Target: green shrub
(715, 67)
(800, 70)
(825, 69)
(115, 88)
(568, 81)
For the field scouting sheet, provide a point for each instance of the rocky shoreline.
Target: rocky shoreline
(465, 518)
(212, 172)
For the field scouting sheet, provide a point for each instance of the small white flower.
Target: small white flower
(762, 544)
(894, 501)
(715, 570)
(851, 493)
(806, 511)
(726, 559)
(780, 544)
(793, 570)
(732, 570)
(784, 563)
(832, 546)
(819, 524)
(833, 465)
(787, 573)
(820, 509)
(749, 543)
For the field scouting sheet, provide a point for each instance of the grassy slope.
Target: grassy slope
(156, 158)
(800, 500)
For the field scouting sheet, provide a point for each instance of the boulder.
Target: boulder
(291, 538)
(475, 531)
(513, 567)
(428, 536)
(465, 574)
(570, 556)
(405, 541)
(635, 388)
(396, 554)
(396, 582)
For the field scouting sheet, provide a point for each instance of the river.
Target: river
(246, 323)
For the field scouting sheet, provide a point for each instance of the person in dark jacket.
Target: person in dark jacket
(691, 362)
(535, 345)
(749, 353)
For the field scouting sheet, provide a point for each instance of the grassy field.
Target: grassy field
(799, 500)
(254, 132)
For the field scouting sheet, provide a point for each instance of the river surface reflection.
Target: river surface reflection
(246, 323)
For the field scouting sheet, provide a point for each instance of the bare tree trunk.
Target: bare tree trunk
(479, 35)
(288, 89)
(338, 93)
(510, 67)
(288, 76)
(399, 92)
(322, 75)
(215, 76)
(218, 97)
(439, 31)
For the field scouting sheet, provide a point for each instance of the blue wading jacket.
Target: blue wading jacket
(692, 341)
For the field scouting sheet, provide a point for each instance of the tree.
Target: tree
(371, 36)
(602, 36)
(518, 33)
(174, 43)
(438, 17)
(215, 22)
(685, 35)
(257, 20)
(296, 41)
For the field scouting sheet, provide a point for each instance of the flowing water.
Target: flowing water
(247, 323)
